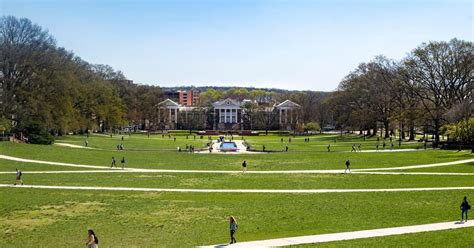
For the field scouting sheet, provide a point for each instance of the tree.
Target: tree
(440, 74)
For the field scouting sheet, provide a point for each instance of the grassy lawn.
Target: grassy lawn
(239, 181)
(41, 217)
(122, 219)
(273, 161)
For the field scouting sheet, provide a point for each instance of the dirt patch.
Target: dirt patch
(48, 214)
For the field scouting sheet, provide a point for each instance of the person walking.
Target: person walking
(123, 163)
(353, 148)
(92, 240)
(244, 166)
(464, 208)
(359, 147)
(113, 163)
(329, 147)
(86, 143)
(18, 177)
(348, 166)
(286, 149)
(233, 228)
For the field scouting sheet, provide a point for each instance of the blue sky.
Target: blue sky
(292, 44)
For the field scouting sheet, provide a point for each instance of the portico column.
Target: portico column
(225, 115)
(176, 115)
(291, 116)
(169, 112)
(159, 117)
(286, 116)
(280, 117)
(214, 120)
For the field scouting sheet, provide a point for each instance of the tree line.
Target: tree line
(45, 87)
(429, 91)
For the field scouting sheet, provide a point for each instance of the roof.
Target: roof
(288, 104)
(168, 103)
(226, 103)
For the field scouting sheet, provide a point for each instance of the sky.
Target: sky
(287, 44)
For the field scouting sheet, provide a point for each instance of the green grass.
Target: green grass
(274, 161)
(122, 219)
(41, 217)
(240, 181)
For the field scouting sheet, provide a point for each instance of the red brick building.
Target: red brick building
(188, 98)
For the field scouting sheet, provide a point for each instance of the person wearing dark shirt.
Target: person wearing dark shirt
(464, 208)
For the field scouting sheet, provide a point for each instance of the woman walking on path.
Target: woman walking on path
(233, 229)
(244, 166)
(348, 166)
(92, 240)
(18, 177)
(123, 163)
(464, 208)
(113, 163)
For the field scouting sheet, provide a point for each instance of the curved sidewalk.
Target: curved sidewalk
(322, 238)
(269, 191)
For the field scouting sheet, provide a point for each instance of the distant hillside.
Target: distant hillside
(225, 88)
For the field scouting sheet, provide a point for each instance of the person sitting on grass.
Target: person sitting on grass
(348, 166)
(464, 208)
(233, 229)
(92, 240)
(18, 177)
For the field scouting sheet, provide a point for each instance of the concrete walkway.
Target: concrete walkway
(322, 238)
(116, 170)
(72, 146)
(421, 166)
(269, 191)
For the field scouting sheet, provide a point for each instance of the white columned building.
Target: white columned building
(289, 113)
(167, 114)
(228, 114)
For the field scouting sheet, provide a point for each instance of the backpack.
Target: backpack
(20, 173)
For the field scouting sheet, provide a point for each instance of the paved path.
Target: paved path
(465, 161)
(238, 171)
(114, 170)
(321, 238)
(72, 145)
(270, 191)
